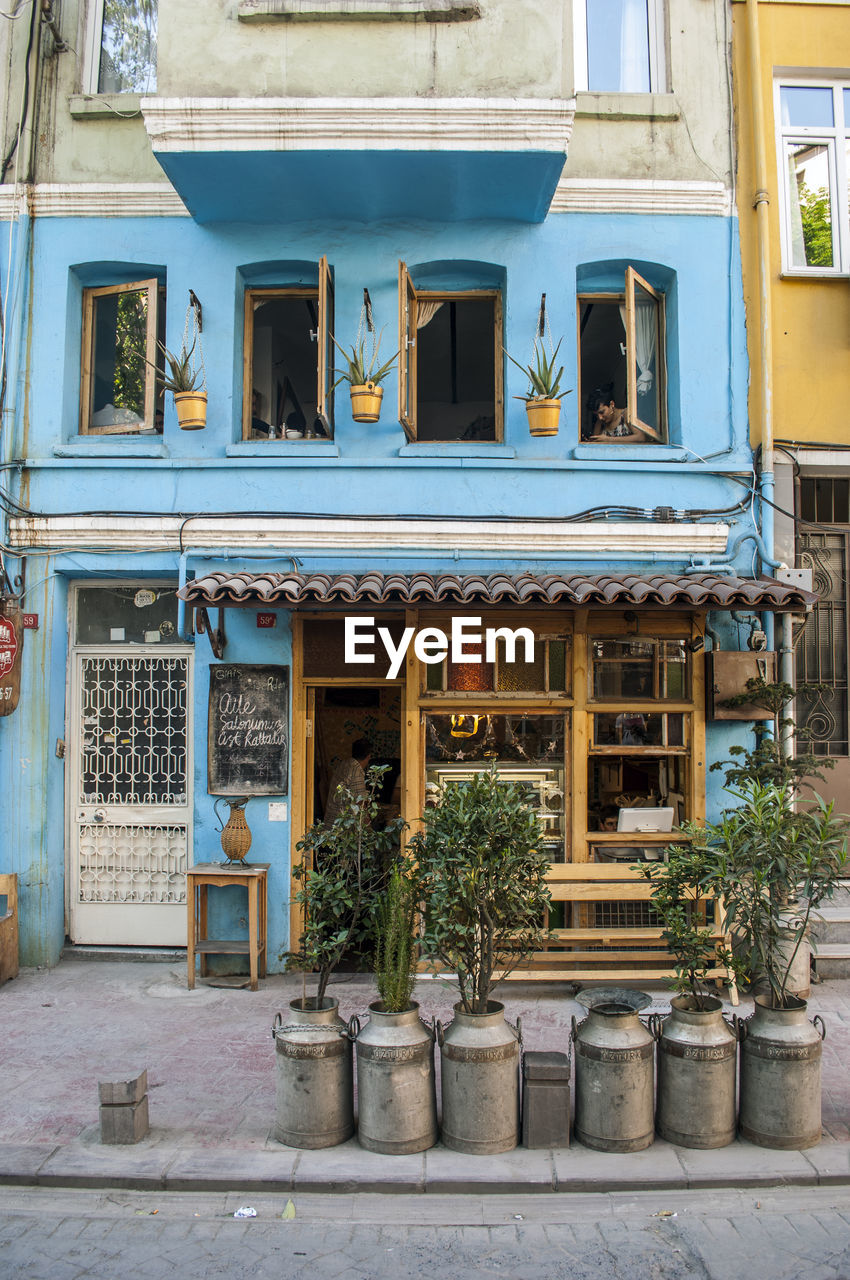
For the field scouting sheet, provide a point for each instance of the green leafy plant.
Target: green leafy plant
(770, 760)
(182, 375)
(675, 897)
(483, 882)
(362, 369)
(338, 876)
(544, 379)
(758, 858)
(395, 932)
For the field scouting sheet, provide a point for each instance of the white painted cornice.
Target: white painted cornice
(13, 201)
(352, 10)
(532, 539)
(358, 124)
(92, 200)
(641, 195)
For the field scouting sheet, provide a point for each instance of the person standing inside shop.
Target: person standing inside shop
(350, 774)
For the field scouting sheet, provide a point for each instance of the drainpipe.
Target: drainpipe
(761, 201)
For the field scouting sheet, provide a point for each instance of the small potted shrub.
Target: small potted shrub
(483, 885)
(543, 400)
(396, 1087)
(364, 375)
(186, 383)
(763, 854)
(697, 1051)
(338, 877)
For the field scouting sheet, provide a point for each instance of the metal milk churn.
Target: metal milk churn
(314, 1087)
(781, 1076)
(396, 1088)
(479, 1071)
(697, 1075)
(614, 1072)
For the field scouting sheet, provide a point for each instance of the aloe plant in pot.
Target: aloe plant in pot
(364, 375)
(483, 885)
(396, 1086)
(185, 380)
(543, 399)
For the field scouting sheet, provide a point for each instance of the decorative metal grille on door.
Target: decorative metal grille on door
(124, 863)
(134, 730)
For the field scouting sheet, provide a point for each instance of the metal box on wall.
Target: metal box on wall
(726, 675)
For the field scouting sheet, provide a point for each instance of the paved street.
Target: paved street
(801, 1233)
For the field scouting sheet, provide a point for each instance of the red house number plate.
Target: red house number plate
(266, 619)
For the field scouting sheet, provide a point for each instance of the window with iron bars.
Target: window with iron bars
(823, 649)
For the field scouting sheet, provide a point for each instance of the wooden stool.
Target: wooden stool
(255, 880)
(9, 928)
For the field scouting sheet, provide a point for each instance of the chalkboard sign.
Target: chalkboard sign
(248, 733)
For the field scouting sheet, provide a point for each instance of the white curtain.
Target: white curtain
(646, 332)
(634, 47)
(425, 312)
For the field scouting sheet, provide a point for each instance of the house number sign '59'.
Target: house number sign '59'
(11, 638)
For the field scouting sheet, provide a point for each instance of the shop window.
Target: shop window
(622, 364)
(121, 54)
(451, 365)
(287, 363)
(813, 138)
(513, 670)
(121, 360)
(639, 667)
(526, 748)
(620, 46)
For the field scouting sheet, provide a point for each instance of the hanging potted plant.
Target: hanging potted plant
(338, 877)
(483, 884)
(362, 372)
(543, 399)
(697, 1051)
(187, 384)
(396, 1088)
(761, 855)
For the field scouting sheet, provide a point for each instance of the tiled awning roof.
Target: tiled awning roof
(652, 590)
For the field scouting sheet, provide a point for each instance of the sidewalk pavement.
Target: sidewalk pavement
(210, 1060)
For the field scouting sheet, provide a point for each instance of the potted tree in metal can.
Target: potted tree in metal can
(697, 1050)
(766, 851)
(396, 1088)
(483, 884)
(338, 876)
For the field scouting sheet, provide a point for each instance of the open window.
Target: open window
(121, 364)
(450, 363)
(288, 363)
(621, 338)
(121, 46)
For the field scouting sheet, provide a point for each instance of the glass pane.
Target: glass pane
(119, 359)
(810, 203)
(637, 729)
(434, 676)
(674, 669)
(324, 650)
(805, 107)
(455, 369)
(634, 782)
(557, 665)
(645, 357)
(520, 676)
(127, 615)
(471, 677)
(284, 369)
(622, 668)
(617, 46)
(602, 326)
(526, 748)
(128, 47)
(846, 108)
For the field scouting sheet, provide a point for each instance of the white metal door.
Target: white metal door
(131, 771)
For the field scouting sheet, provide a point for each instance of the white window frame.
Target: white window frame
(657, 47)
(834, 140)
(93, 38)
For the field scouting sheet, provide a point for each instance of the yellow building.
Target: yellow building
(792, 101)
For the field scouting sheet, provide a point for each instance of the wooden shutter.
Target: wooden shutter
(638, 290)
(324, 394)
(406, 352)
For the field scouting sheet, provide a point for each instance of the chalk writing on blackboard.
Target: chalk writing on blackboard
(248, 730)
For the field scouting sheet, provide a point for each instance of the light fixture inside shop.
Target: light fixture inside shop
(465, 726)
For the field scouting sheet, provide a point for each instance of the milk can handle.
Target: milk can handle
(573, 1028)
(654, 1025)
(278, 1019)
(438, 1027)
(741, 1027)
(353, 1028)
(519, 1030)
(432, 1029)
(818, 1022)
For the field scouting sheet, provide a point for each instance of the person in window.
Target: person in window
(350, 774)
(608, 423)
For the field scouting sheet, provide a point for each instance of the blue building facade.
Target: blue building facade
(284, 516)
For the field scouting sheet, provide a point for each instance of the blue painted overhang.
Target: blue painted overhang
(269, 160)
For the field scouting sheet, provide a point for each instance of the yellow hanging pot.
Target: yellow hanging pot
(543, 416)
(366, 402)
